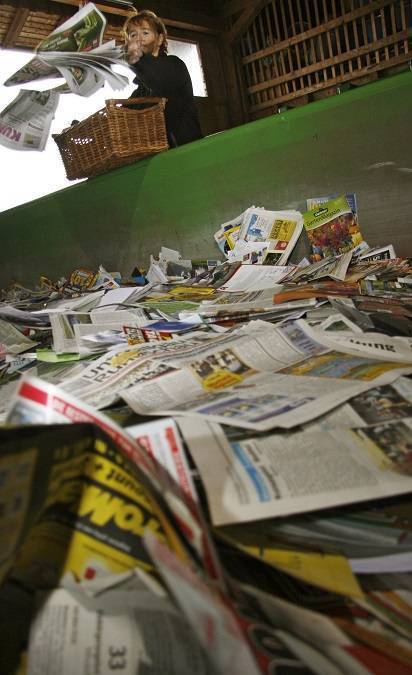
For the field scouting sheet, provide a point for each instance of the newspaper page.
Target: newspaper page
(280, 475)
(114, 631)
(22, 317)
(169, 377)
(161, 439)
(261, 405)
(260, 236)
(247, 298)
(312, 636)
(255, 278)
(7, 391)
(248, 252)
(311, 270)
(244, 302)
(260, 377)
(336, 268)
(72, 51)
(81, 81)
(228, 234)
(12, 340)
(280, 231)
(330, 571)
(95, 339)
(122, 367)
(100, 384)
(25, 123)
(223, 317)
(64, 337)
(386, 403)
(122, 317)
(38, 402)
(240, 637)
(85, 302)
(375, 345)
(380, 253)
(85, 72)
(244, 384)
(208, 614)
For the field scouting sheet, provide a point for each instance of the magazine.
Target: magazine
(332, 228)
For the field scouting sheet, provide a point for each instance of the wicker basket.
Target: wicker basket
(112, 137)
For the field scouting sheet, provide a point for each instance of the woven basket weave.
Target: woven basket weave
(112, 137)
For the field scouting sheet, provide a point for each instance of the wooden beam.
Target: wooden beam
(185, 25)
(233, 7)
(244, 20)
(181, 11)
(120, 11)
(236, 103)
(15, 27)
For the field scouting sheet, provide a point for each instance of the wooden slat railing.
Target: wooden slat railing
(297, 49)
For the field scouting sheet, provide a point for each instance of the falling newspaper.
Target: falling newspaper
(75, 51)
(72, 51)
(25, 123)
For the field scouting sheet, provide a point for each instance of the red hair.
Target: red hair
(154, 22)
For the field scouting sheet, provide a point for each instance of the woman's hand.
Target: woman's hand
(134, 51)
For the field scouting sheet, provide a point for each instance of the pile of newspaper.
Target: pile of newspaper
(260, 236)
(207, 468)
(73, 51)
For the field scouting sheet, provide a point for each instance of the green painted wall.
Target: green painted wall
(359, 141)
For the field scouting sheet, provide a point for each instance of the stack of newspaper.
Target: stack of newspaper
(73, 51)
(209, 470)
(260, 236)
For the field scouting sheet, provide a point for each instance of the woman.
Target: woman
(158, 74)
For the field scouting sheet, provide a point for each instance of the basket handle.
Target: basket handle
(113, 102)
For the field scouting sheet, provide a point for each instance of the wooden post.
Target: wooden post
(235, 90)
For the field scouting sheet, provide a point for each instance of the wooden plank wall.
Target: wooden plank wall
(298, 50)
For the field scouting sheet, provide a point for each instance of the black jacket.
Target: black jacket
(167, 76)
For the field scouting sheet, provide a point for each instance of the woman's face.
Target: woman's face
(142, 39)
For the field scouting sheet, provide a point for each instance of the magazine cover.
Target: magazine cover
(315, 202)
(332, 228)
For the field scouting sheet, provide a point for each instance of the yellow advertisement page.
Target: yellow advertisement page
(222, 369)
(331, 572)
(93, 517)
(282, 230)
